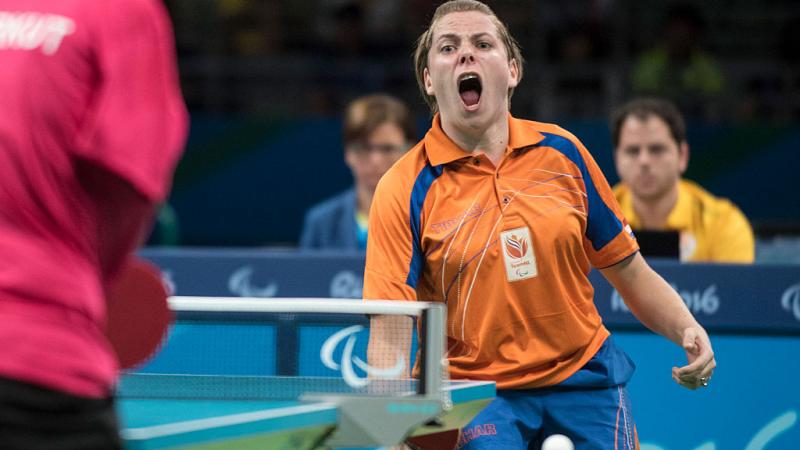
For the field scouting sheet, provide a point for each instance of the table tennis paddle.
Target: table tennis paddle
(138, 314)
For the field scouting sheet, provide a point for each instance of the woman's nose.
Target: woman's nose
(466, 57)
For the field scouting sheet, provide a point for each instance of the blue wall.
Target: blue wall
(248, 180)
(754, 392)
(752, 403)
(752, 312)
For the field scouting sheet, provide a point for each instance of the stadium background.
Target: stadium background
(266, 82)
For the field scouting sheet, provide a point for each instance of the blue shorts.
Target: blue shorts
(591, 407)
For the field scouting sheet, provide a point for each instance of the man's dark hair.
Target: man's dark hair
(642, 108)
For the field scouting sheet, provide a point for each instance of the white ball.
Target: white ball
(557, 442)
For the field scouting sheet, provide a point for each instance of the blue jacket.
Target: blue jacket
(331, 224)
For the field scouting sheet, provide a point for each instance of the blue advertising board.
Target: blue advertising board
(723, 297)
(753, 313)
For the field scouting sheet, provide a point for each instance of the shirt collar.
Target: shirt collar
(442, 150)
(679, 218)
(522, 134)
(625, 200)
(681, 215)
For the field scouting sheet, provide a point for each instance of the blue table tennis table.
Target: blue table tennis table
(234, 412)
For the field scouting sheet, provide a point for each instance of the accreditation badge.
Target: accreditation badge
(518, 254)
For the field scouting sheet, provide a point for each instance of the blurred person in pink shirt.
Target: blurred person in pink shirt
(92, 124)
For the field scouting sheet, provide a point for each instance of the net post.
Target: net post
(431, 373)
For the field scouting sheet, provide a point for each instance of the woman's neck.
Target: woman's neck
(491, 140)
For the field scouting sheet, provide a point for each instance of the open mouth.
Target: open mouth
(469, 88)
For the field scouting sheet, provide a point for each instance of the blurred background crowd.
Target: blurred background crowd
(719, 59)
(267, 83)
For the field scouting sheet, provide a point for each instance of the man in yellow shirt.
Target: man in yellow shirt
(651, 154)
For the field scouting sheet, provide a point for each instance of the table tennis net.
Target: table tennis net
(241, 387)
(244, 348)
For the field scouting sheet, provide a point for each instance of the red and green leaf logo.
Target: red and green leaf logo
(516, 247)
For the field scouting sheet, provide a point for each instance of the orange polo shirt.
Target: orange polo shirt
(507, 248)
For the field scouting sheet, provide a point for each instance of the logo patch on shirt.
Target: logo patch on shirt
(518, 254)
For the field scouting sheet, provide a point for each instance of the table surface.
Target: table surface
(208, 412)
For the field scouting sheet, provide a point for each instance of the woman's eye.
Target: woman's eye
(484, 45)
(447, 48)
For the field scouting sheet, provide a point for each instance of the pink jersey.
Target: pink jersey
(83, 83)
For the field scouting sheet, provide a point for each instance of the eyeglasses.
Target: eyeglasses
(362, 149)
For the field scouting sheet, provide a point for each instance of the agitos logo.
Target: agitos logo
(348, 362)
(516, 247)
(790, 300)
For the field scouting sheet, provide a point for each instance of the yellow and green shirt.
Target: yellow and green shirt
(712, 229)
